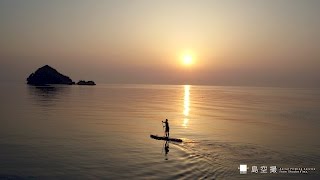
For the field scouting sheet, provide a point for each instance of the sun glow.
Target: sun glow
(187, 59)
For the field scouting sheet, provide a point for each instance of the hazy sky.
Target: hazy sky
(239, 42)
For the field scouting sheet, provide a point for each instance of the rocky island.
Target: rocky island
(47, 75)
(88, 83)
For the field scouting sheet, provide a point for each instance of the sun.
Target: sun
(187, 59)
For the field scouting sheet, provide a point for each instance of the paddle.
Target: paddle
(164, 130)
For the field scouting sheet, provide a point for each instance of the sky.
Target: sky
(231, 42)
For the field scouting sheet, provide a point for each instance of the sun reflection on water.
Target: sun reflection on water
(186, 105)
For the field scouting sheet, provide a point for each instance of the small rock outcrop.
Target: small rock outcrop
(88, 83)
(48, 75)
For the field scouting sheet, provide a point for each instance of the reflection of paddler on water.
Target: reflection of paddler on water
(166, 126)
(166, 149)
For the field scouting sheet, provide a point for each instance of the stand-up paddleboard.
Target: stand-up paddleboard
(165, 138)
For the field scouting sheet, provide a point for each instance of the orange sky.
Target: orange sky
(249, 42)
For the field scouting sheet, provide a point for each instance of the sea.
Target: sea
(103, 132)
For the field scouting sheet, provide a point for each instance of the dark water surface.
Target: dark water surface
(102, 132)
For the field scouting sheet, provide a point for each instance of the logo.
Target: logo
(243, 168)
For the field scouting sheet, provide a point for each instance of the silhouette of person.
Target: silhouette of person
(166, 125)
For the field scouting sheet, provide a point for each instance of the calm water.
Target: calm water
(102, 132)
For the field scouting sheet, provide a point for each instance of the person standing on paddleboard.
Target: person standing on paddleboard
(166, 125)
